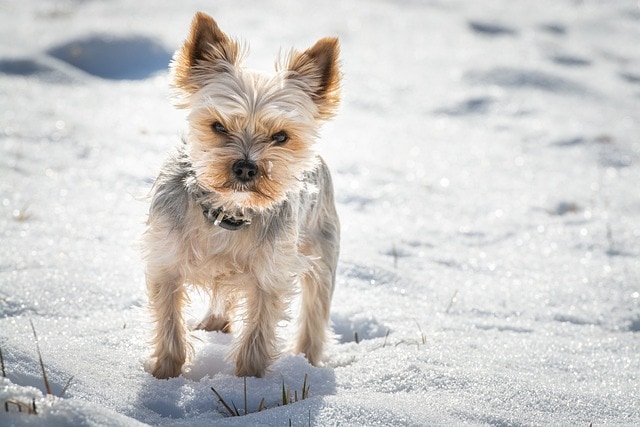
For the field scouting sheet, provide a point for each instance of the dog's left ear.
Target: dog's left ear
(206, 51)
(319, 68)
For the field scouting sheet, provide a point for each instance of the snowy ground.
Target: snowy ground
(486, 162)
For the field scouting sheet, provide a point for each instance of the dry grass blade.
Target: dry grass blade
(21, 406)
(22, 214)
(385, 338)
(261, 405)
(305, 387)
(4, 373)
(235, 408)
(221, 400)
(44, 372)
(245, 396)
(422, 335)
(285, 400)
(66, 387)
(452, 301)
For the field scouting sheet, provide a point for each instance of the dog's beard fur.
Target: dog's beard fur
(235, 115)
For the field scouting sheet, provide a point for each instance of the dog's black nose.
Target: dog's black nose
(245, 170)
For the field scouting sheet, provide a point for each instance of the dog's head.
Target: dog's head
(251, 136)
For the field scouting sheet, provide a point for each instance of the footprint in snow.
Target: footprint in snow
(356, 327)
(37, 68)
(570, 60)
(471, 106)
(491, 29)
(633, 78)
(555, 29)
(517, 78)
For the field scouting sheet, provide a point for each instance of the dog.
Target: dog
(244, 209)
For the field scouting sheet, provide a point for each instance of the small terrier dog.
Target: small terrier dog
(244, 209)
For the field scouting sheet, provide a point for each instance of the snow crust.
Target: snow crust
(486, 162)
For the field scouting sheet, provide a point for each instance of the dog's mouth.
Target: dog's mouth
(259, 188)
(239, 187)
(246, 195)
(234, 187)
(260, 193)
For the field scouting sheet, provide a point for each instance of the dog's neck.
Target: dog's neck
(220, 218)
(212, 210)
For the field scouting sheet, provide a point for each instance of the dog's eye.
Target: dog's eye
(280, 137)
(219, 128)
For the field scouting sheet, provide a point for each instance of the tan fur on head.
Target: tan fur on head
(206, 49)
(209, 51)
(318, 66)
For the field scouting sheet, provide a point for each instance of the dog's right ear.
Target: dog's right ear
(207, 50)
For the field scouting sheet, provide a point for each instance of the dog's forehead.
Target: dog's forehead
(255, 95)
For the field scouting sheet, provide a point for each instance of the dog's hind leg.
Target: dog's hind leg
(218, 318)
(213, 321)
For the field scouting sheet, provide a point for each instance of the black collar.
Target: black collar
(215, 215)
(219, 218)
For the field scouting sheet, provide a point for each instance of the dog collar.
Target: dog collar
(222, 220)
(215, 215)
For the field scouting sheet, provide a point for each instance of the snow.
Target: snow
(486, 161)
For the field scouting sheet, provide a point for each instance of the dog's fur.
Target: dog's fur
(247, 162)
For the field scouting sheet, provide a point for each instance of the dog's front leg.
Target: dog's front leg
(166, 300)
(256, 346)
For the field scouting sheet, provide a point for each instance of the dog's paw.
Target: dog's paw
(165, 368)
(250, 371)
(313, 356)
(311, 348)
(251, 363)
(214, 323)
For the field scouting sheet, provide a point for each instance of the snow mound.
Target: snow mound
(27, 406)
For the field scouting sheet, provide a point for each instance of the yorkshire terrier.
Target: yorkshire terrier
(245, 209)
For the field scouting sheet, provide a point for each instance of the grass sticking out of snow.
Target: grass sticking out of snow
(44, 372)
(31, 408)
(286, 399)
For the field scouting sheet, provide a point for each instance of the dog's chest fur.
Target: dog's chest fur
(207, 252)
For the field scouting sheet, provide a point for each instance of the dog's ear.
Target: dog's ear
(206, 50)
(319, 68)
